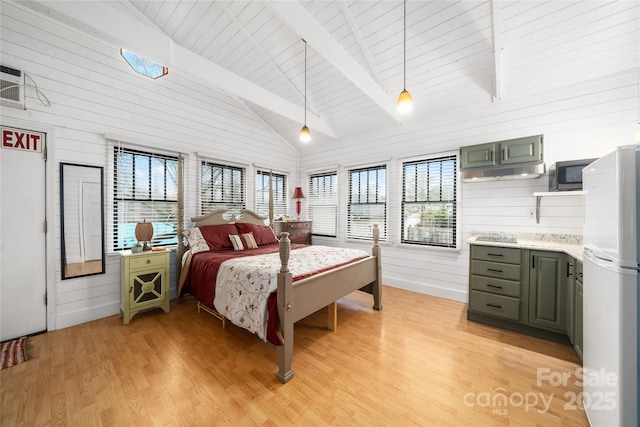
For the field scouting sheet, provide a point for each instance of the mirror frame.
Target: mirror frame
(63, 242)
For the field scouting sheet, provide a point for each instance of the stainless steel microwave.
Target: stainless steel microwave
(567, 175)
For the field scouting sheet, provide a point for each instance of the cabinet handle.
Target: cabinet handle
(148, 261)
(494, 306)
(495, 270)
(491, 155)
(569, 265)
(495, 254)
(533, 261)
(491, 285)
(504, 153)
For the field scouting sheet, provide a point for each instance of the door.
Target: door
(22, 235)
(521, 150)
(547, 290)
(475, 156)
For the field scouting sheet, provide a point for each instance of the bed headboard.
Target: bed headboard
(215, 217)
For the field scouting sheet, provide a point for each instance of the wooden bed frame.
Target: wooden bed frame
(304, 297)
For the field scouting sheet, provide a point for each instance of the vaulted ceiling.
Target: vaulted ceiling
(254, 51)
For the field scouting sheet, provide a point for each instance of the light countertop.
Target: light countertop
(573, 250)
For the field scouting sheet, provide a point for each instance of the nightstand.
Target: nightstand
(299, 231)
(144, 279)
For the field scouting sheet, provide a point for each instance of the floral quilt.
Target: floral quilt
(244, 284)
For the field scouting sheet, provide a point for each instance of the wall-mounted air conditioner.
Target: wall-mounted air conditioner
(11, 87)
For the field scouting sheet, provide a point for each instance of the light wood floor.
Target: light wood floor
(416, 362)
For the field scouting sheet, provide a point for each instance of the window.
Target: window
(279, 185)
(322, 203)
(144, 66)
(367, 202)
(429, 210)
(145, 188)
(222, 187)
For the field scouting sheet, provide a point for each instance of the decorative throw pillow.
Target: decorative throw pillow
(196, 241)
(236, 241)
(217, 236)
(249, 241)
(263, 234)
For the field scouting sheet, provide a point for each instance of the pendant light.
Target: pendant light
(305, 133)
(405, 102)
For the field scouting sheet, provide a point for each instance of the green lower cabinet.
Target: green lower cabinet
(578, 334)
(547, 290)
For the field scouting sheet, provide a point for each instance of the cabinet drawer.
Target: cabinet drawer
(146, 261)
(495, 269)
(495, 305)
(496, 286)
(494, 253)
(299, 226)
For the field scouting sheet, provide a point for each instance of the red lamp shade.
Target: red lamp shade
(297, 194)
(144, 233)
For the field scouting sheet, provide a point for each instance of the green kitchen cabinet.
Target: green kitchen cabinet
(527, 150)
(476, 156)
(547, 290)
(578, 319)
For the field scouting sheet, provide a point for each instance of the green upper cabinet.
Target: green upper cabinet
(548, 290)
(508, 152)
(521, 150)
(476, 156)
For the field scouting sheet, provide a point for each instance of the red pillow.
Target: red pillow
(262, 233)
(217, 236)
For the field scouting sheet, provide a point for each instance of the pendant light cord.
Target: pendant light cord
(404, 26)
(305, 81)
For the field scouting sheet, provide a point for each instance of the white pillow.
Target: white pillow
(236, 241)
(196, 241)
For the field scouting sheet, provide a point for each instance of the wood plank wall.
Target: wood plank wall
(93, 93)
(570, 74)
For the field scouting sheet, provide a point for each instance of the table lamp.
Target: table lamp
(144, 233)
(297, 194)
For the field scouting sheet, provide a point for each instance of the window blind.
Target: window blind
(367, 202)
(279, 184)
(145, 188)
(322, 203)
(221, 187)
(429, 208)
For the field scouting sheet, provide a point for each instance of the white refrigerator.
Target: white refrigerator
(611, 282)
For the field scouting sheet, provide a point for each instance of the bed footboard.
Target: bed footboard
(309, 295)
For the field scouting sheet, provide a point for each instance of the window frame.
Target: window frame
(329, 201)
(233, 208)
(455, 229)
(383, 228)
(281, 205)
(116, 198)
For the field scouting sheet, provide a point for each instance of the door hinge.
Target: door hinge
(44, 153)
(46, 299)
(45, 226)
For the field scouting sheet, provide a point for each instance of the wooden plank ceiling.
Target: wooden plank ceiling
(253, 50)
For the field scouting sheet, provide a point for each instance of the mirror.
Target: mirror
(82, 220)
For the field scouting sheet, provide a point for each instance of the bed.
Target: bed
(295, 297)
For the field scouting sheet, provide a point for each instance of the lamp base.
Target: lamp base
(146, 247)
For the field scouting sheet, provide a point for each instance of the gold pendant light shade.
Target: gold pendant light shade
(405, 102)
(305, 134)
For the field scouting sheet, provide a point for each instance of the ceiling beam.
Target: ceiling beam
(300, 21)
(114, 24)
(364, 48)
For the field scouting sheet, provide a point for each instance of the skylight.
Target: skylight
(144, 66)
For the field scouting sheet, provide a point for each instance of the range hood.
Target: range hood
(525, 171)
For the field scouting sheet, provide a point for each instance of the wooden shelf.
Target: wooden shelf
(539, 194)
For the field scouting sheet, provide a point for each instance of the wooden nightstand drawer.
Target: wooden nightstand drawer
(299, 231)
(145, 261)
